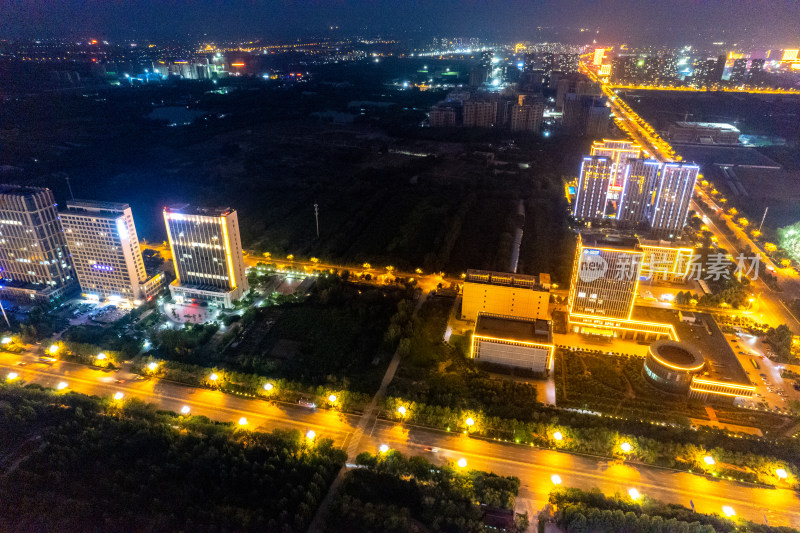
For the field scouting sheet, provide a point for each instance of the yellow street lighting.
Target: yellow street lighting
(62, 385)
(384, 448)
(118, 396)
(332, 398)
(310, 434)
(213, 377)
(634, 494)
(557, 435)
(53, 349)
(102, 357)
(6, 340)
(556, 479)
(625, 447)
(243, 421)
(12, 376)
(470, 422)
(185, 410)
(709, 460)
(268, 386)
(728, 510)
(401, 410)
(462, 463)
(152, 366)
(781, 473)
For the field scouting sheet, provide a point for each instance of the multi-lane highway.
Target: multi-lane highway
(533, 466)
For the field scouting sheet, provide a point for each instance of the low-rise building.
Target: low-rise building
(501, 293)
(512, 341)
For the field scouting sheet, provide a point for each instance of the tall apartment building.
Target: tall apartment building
(672, 198)
(506, 294)
(639, 185)
(207, 254)
(591, 194)
(105, 249)
(619, 152)
(586, 115)
(479, 114)
(739, 72)
(605, 276)
(528, 116)
(443, 116)
(34, 257)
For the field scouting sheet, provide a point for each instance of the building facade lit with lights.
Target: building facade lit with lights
(673, 197)
(207, 254)
(619, 152)
(34, 258)
(591, 193)
(102, 240)
(513, 342)
(671, 366)
(501, 293)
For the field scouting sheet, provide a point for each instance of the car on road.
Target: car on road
(432, 450)
(21, 363)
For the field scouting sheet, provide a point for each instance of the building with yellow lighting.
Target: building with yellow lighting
(511, 341)
(665, 261)
(500, 293)
(207, 255)
(619, 152)
(639, 186)
(671, 366)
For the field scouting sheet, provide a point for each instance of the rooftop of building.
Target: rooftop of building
(513, 328)
(20, 190)
(95, 208)
(508, 279)
(708, 125)
(706, 337)
(189, 209)
(609, 239)
(677, 354)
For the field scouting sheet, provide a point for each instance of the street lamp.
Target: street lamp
(709, 460)
(728, 510)
(470, 422)
(185, 410)
(268, 386)
(310, 435)
(118, 396)
(12, 376)
(152, 366)
(634, 494)
(558, 436)
(332, 398)
(556, 479)
(243, 421)
(213, 377)
(53, 349)
(62, 385)
(401, 410)
(781, 473)
(5, 340)
(384, 448)
(625, 447)
(102, 357)
(462, 463)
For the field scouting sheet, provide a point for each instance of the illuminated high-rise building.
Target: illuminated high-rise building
(638, 190)
(739, 72)
(34, 260)
(591, 193)
(672, 198)
(619, 152)
(105, 250)
(207, 254)
(605, 275)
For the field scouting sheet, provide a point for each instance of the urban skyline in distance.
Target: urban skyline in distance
(400, 267)
(759, 24)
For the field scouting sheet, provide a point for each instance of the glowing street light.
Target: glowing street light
(384, 448)
(243, 421)
(5, 340)
(12, 376)
(332, 398)
(556, 479)
(558, 436)
(53, 349)
(728, 510)
(781, 473)
(311, 434)
(634, 494)
(401, 410)
(268, 386)
(185, 410)
(152, 366)
(102, 357)
(213, 377)
(118, 396)
(709, 460)
(462, 463)
(470, 422)
(62, 385)
(625, 447)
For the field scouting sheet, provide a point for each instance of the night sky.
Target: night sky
(770, 23)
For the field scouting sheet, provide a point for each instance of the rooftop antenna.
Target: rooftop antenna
(316, 216)
(70, 188)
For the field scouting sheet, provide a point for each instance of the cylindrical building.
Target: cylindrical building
(670, 365)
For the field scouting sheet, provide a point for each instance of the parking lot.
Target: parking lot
(772, 391)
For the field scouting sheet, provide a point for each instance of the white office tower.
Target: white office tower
(34, 260)
(592, 192)
(673, 196)
(638, 190)
(105, 250)
(207, 254)
(619, 152)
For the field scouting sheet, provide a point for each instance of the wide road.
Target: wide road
(533, 466)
